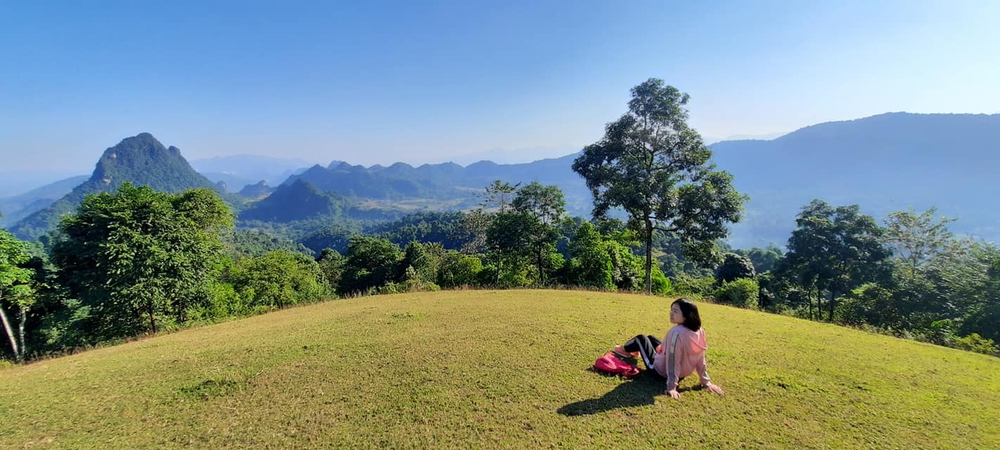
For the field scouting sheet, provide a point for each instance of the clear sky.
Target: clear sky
(422, 81)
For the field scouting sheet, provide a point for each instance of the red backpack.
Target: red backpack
(609, 363)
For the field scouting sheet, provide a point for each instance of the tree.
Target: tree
(763, 259)
(371, 262)
(331, 263)
(916, 240)
(834, 250)
(15, 289)
(546, 207)
(507, 240)
(735, 267)
(657, 168)
(138, 255)
(591, 261)
(499, 196)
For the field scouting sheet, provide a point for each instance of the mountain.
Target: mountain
(141, 160)
(743, 137)
(392, 183)
(883, 163)
(20, 206)
(299, 200)
(447, 183)
(254, 191)
(240, 170)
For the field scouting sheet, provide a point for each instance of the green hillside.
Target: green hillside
(472, 369)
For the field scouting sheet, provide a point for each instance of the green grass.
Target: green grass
(505, 369)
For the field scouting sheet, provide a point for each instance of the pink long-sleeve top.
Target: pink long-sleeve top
(682, 353)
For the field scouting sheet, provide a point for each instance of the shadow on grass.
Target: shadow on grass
(641, 390)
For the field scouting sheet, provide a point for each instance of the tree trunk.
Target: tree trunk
(541, 275)
(819, 306)
(152, 317)
(20, 329)
(497, 282)
(833, 295)
(649, 256)
(10, 334)
(809, 299)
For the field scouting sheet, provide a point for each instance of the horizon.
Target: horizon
(395, 82)
(22, 181)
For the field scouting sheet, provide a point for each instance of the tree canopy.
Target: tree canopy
(139, 256)
(655, 167)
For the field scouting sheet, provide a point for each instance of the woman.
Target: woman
(684, 352)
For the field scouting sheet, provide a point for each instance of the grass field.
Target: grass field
(493, 369)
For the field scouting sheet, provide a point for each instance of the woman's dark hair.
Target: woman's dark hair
(692, 320)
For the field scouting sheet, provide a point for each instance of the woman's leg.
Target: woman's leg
(645, 348)
(653, 340)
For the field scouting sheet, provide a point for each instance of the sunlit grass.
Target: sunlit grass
(499, 369)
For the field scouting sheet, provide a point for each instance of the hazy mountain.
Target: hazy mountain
(448, 184)
(253, 191)
(141, 160)
(14, 182)
(883, 163)
(392, 183)
(240, 170)
(743, 137)
(20, 206)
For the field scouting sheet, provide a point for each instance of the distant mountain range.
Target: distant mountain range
(884, 163)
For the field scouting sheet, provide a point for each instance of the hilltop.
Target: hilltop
(141, 160)
(495, 369)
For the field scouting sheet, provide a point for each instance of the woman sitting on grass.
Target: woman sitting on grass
(685, 350)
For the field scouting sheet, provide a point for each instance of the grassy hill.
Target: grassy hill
(499, 369)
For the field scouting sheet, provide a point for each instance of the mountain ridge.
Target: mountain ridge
(140, 159)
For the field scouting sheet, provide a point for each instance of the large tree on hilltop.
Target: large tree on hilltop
(139, 256)
(654, 166)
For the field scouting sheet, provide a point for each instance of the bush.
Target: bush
(695, 287)
(869, 304)
(458, 269)
(976, 343)
(742, 293)
(661, 284)
(404, 287)
(273, 281)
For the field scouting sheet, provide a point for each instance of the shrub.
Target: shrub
(742, 293)
(976, 343)
(692, 286)
(661, 284)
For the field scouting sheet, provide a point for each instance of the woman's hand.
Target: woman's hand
(674, 394)
(715, 389)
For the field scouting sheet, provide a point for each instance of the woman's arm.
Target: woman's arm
(706, 381)
(673, 357)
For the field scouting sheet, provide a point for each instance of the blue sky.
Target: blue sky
(435, 81)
